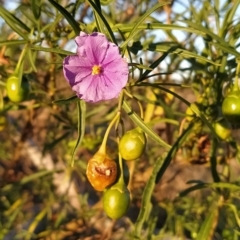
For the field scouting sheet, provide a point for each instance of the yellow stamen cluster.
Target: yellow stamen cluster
(96, 69)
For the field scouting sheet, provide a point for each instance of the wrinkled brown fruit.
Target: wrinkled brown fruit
(101, 171)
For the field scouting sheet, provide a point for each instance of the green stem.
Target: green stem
(121, 178)
(120, 102)
(139, 104)
(236, 87)
(20, 61)
(102, 148)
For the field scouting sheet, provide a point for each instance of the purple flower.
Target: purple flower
(97, 72)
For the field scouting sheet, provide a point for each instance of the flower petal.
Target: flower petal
(96, 47)
(93, 46)
(117, 65)
(80, 41)
(74, 66)
(112, 54)
(82, 89)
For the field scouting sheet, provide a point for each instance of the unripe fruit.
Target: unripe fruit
(16, 92)
(116, 201)
(132, 144)
(190, 114)
(222, 129)
(101, 171)
(231, 107)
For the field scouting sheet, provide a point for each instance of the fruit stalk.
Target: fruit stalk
(102, 148)
(236, 86)
(18, 69)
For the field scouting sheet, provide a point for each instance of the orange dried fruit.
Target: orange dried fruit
(101, 171)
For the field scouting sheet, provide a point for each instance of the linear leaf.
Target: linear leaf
(217, 185)
(28, 179)
(9, 17)
(36, 8)
(99, 13)
(12, 42)
(32, 57)
(81, 105)
(134, 30)
(177, 50)
(228, 18)
(208, 227)
(139, 122)
(146, 198)
(66, 100)
(53, 50)
(181, 139)
(74, 24)
(193, 106)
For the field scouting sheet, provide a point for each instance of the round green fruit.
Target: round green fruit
(231, 107)
(17, 93)
(132, 144)
(190, 114)
(116, 201)
(222, 129)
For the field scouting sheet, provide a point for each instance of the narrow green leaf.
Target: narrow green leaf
(228, 18)
(37, 219)
(208, 227)
(235, 210)
(215, 185)
(12, 43)
(203, 30)
(9, 17)
(81, 106)
(140, 66)
(134, 30)
(105, 2)
(74, 24)
(52, 50)
(36, 175)
(139, 122)
(36, 8)
(99, 13)
(193, 106)
(181, 139)
(227, 48)
(66, 101)
(98, 4)
(177, 50)
(156, 26)
(218, 41)
(191, 189)
(99, 24)
(231, 186)
(32, 57)
(152, 66)
(13, 216)
(146, 198)
(28, 179)
(14, 27)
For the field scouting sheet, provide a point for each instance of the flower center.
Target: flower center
(96, 69)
